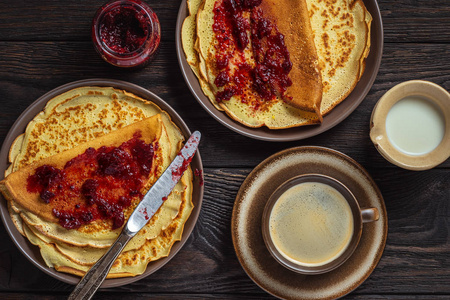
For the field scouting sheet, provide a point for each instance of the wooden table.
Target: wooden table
(46, 43)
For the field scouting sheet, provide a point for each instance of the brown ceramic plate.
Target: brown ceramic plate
(338, 114)
(32, 252)
(248, 242)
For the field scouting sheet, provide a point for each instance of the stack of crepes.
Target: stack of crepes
(328, 43)
(92, 117)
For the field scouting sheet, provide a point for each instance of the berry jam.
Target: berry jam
(126, 33)
(273, 63)
(199, 174)
(123, 29)
(234, 22)
(98, 184)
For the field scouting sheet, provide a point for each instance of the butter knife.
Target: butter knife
(145, 210)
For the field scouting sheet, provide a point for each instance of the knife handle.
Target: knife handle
(92, 280)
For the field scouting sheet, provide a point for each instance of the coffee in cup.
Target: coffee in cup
(313, 223)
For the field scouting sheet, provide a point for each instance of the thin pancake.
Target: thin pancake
(130, 262)
(96, 111)
(292, 19)
(190, 45)
(90, 236)
(14, 186)
(248, 110)
(342, 37)
(189, 37)
(78, 116)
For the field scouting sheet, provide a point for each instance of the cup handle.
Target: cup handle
(369, 214)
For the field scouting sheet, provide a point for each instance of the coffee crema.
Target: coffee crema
(311, 224)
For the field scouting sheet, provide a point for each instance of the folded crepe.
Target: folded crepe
(15, 187)
(330, 40)
(82, 115)
(292, 19)
(298, 105)
(341, 31)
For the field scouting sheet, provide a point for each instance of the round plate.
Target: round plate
(338, 114)
(248, 242)
(31, 251)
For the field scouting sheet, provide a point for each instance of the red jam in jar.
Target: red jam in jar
(126, 33)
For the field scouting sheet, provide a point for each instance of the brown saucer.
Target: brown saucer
(32, 252)
(248, 242)
(337, 115)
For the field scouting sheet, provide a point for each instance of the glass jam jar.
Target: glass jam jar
(126, 33)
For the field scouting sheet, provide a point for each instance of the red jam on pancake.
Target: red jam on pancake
(99, 117)
(268, 74)
(97, 184)
(97, 180)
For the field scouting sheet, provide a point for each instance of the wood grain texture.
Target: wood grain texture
(142, 296)
(46, 43)
(415, 260)
(25, 78)
(49, 20)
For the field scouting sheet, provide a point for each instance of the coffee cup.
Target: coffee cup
(313, 223)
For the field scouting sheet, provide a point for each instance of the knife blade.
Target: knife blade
(145, 210)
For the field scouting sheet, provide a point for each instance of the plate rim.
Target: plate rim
(32, 252)
(297, 150)
(295, 133)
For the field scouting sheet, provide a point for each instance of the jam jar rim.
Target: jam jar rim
(152, 33)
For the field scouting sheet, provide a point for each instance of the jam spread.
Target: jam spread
(124, 29)
(98, 184)
(234, 22)
(199, 173)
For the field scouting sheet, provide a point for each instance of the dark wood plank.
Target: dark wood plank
(24, 78)
(46, 43)
(51, 20)
(415, 260)
(415, 21)
(161, 296)
(137, 296)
